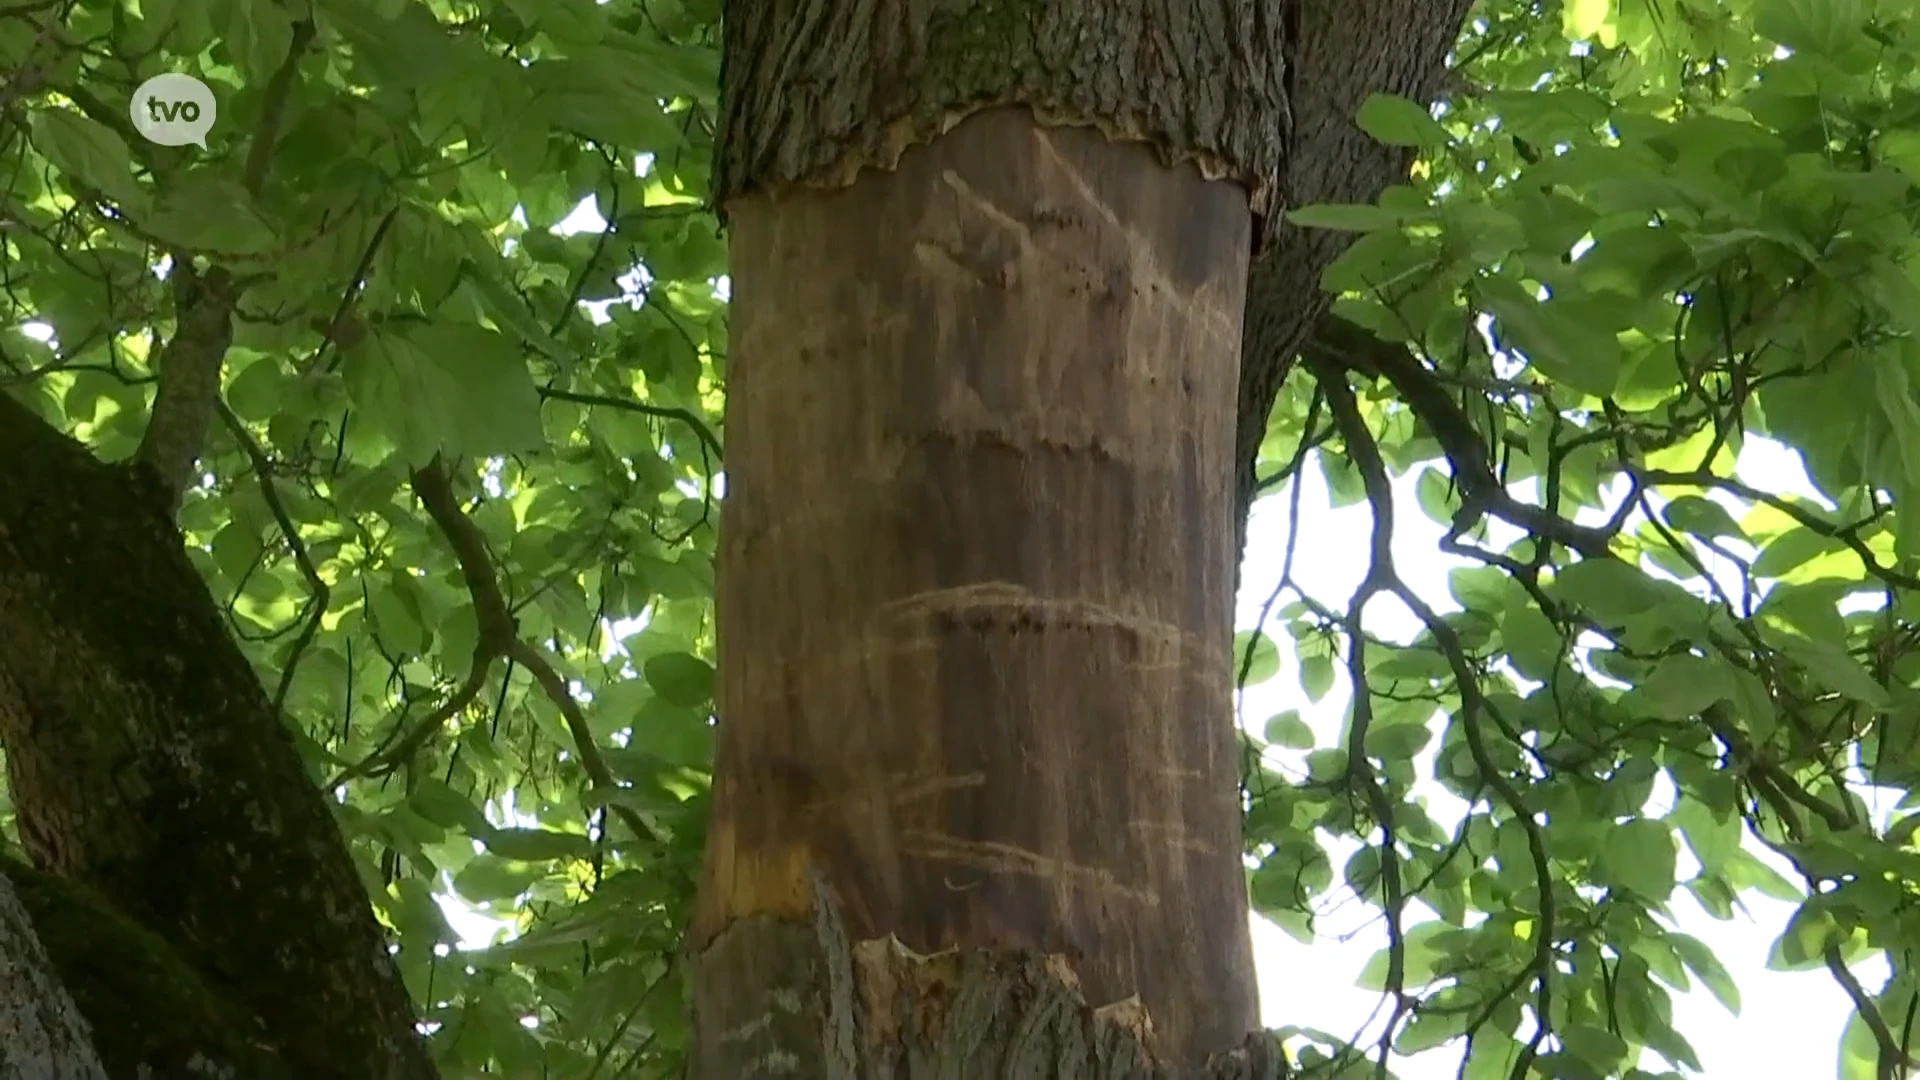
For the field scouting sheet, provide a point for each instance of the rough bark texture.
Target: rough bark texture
(42, 1033)
(877, 1011)
(1349, 49)
(976, 579)
(149, 1010)
(146, 763)
(813, 91)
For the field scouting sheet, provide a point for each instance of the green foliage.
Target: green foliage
(1647, 231)
(389, 216)
(1650, 232)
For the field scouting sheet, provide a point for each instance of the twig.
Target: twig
(1373, 472)
(590, 759)
(320, 595)
(1893, 1062)
(491, 616)
(273, 109)
(341, 325)
(1806, 519)
(665, 412)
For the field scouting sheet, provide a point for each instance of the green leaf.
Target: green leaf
(1801, 946)
(497, 410)
(1256, 658)
(1713, 838)
(1702, 517)
(1316, 676)
(408, 397)
(536, 845)
(1596, 1046)
(1707, 968)
(1682, 686)
(89, 152)
(1397, 742)
(1344, 217)
(1397, 121)
(487, 879)
(1834, 668)
(206, 213)
(442, 805)
(1609, 588)
(1568, 343)
(1288, 730)
(680, 678)
(1639, 857)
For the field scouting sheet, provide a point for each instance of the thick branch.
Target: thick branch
(1354, 348)
(491, 614)
(152, 1014)
(498, 638)
(189, 371)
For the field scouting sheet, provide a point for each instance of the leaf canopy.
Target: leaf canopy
(1643, 241)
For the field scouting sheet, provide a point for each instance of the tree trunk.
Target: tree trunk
(975, 581)
(1349, 50)
(43, 1035)
(146, 763)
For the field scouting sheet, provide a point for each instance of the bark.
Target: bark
(888, 1012)
(146, 763)
(149, 1010)
(976, 578)
(42, 1033)
(1350, 49)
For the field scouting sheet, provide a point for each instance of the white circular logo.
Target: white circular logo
(173, 110)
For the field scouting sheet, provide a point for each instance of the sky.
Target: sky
(1790, 1023)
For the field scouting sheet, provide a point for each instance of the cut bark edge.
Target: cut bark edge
(813, 94)
(796, 999)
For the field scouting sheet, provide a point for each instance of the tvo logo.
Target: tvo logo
(173, 110)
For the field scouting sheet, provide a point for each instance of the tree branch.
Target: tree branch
(319, 595)
(273, 109)
(494, 621)
(1355, 348)
(665, 412)
(188, 368)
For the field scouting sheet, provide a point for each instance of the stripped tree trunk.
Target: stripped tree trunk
(975, 582)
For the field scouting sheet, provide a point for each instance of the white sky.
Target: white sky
(1790, 1023)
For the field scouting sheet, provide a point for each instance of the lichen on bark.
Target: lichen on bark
(813, 91)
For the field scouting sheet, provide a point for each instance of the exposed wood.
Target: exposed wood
(975, 577)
